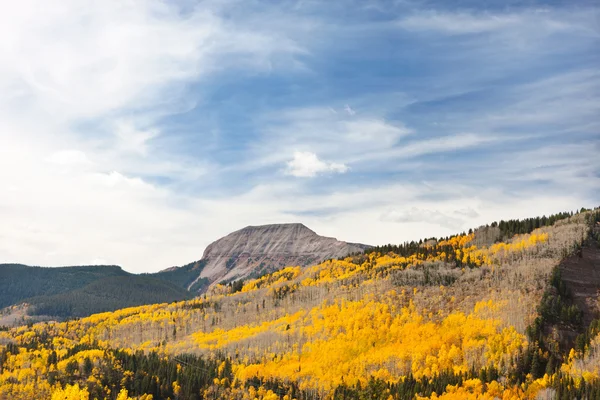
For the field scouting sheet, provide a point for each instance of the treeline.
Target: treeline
(406, 388)
(410, 387)
(507, 230)
(564, 386)
(521, 226)
(447, 253)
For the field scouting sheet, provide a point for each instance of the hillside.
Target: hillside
(186, 276)
(65, 292)
(19, 282)
(254, 250)
(79, 291)
(462, 317)
(107, 294)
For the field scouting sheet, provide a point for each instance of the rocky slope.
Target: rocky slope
(257, 249)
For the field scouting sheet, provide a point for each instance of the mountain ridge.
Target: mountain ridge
(77, 291)
(250, 251)
(256, 249)
(508, 310)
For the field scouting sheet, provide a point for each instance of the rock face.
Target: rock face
(259, 249)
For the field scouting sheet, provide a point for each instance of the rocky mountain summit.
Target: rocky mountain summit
(254, 250)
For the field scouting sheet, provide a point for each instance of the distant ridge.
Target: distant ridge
(65, 292)
(77, 291)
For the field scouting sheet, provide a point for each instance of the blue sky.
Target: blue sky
(135, 133)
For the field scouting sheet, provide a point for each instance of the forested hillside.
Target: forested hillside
(464, 317)
(69, 292)
(19, 282)
(185, 276)
(107, 294)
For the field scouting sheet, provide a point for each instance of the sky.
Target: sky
(137, 132)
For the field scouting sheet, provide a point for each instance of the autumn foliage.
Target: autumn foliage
(448, 321)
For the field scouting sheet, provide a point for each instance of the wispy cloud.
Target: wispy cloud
(334, 133)
(416, 148)
(83, 89)
(138, 132)
(459, 23)
(544, 20)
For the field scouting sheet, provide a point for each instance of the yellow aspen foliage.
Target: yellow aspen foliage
(474, 389)
(70, 392)
(350, 339)
(367, 316)
(176, 388)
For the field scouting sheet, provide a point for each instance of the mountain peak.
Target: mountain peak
(254, 250)
(288, 225)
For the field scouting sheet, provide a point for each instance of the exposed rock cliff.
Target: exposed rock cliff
(258, 249)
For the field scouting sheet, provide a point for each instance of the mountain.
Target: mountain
(81, 290)
(505, 311)
(187, 276)
(108, 294)
(19, 282)
(255, 250)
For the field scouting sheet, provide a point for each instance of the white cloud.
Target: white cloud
(372, 132)
(115, 178)
(445, 144)
(131, 139)
(329, 129)
(69, 157)
(367, 141)
(83, 85)
(82, 59)
(307, 165)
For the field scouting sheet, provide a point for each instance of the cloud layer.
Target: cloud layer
(135, 133)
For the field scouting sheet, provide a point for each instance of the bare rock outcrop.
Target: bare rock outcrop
(254, 250)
